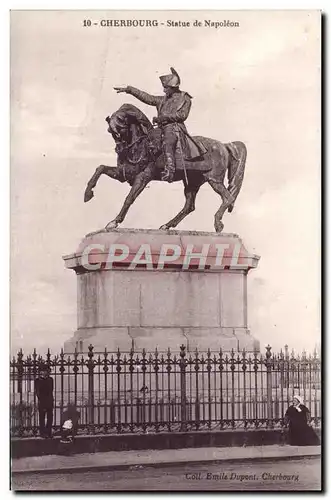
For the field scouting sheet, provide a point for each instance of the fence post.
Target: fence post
(34, 365)
(182, 364)
(269, 387)
(20, 371)
(90, 366)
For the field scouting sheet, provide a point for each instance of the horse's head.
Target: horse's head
(128, 124)
(118, 127)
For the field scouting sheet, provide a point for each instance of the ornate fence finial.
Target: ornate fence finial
(286, 351)
(268, 353)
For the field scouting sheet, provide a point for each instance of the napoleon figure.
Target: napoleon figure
(172, 110)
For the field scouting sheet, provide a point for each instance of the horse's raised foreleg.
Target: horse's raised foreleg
(190, 195)
(139, 184)
(102, 169)
(227, 200)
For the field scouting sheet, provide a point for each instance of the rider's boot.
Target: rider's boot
(168, 173)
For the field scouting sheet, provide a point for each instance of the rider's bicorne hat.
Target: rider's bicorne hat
(172, 80)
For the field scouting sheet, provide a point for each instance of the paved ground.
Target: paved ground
(124, 459)
(283, 475)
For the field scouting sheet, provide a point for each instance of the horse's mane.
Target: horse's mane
(135, 116)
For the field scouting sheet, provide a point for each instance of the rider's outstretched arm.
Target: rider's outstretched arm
(152, 100)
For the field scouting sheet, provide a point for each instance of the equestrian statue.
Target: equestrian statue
(166, 152)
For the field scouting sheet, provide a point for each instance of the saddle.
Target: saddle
(154, 146)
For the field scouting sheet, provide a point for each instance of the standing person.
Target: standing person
(297, 417)
(172, 109)
(44, 386)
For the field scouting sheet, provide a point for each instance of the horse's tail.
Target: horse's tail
(236, 169)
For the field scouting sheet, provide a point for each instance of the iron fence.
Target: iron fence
(167, 392)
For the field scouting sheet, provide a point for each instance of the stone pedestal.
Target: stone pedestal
(154, 289)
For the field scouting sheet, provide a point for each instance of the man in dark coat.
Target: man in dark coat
(44, 386)
(172, 109)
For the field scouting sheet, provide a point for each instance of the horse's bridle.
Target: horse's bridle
(123, 148)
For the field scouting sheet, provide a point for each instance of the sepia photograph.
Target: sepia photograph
(165, 250)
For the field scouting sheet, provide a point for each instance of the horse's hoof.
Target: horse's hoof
(164, 227)
(88, 195)
(111, 225)
(219, 227)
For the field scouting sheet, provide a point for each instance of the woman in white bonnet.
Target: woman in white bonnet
(298, 419)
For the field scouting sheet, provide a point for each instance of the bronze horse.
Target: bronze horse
(140, 161)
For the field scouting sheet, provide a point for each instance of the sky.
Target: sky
(259, 83)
